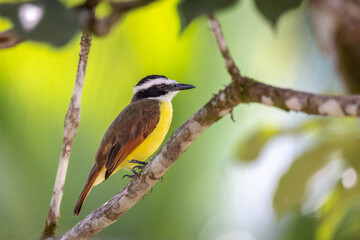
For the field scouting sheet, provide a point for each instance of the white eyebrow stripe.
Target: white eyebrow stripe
(153, 82)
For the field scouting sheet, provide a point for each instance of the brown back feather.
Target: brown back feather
(141, 122)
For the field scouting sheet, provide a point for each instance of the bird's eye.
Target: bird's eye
(163, 86)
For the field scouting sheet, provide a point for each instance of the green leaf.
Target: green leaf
(349, 227)
(294, 226)
(290, 192)
(191, 9)
(335, 208)
(53, 23)
(351, 153)
(273, 9)
(251, 149)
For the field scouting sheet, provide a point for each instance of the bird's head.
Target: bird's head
(157, 87)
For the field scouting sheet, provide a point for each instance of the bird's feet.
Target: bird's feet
(141, 163)
(140, 166)
(128, 175)
(133, 175)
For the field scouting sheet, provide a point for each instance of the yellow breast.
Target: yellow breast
(149, 145)
(154, 140)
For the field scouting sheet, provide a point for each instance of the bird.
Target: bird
(136, 133)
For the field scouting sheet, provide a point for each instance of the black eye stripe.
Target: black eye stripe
(151, 92)
(162, 86)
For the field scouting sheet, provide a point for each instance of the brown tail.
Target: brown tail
(85, 192)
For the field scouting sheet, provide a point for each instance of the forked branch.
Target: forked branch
(287, 99)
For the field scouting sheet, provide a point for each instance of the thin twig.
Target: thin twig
(230, 64)
(71, 124)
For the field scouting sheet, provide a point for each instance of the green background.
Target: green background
(210, 192)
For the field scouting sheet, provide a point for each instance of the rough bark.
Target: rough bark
(71, 124)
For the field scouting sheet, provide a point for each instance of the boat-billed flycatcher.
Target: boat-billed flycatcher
(136, 133)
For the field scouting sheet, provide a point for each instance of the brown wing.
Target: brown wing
(132, 127)
(127, 131)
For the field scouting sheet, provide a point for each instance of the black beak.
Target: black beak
(179, 87)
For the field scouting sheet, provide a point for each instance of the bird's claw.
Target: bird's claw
(141, 165)
(129, 176)
(138, 166)
(138, 162)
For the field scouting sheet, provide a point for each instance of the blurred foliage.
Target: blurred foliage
(349, 227)
(272, 10)
(191, 9)
(326, 139)
(51, 22)
(205, 195)
(257, 141)
(305, 166)
(43, 20)
(295, 226)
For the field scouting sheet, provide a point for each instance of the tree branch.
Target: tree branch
(286, 99)
(102, 27)
(9, 39)
(71, 124)
(240, 90)
(90, 23)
